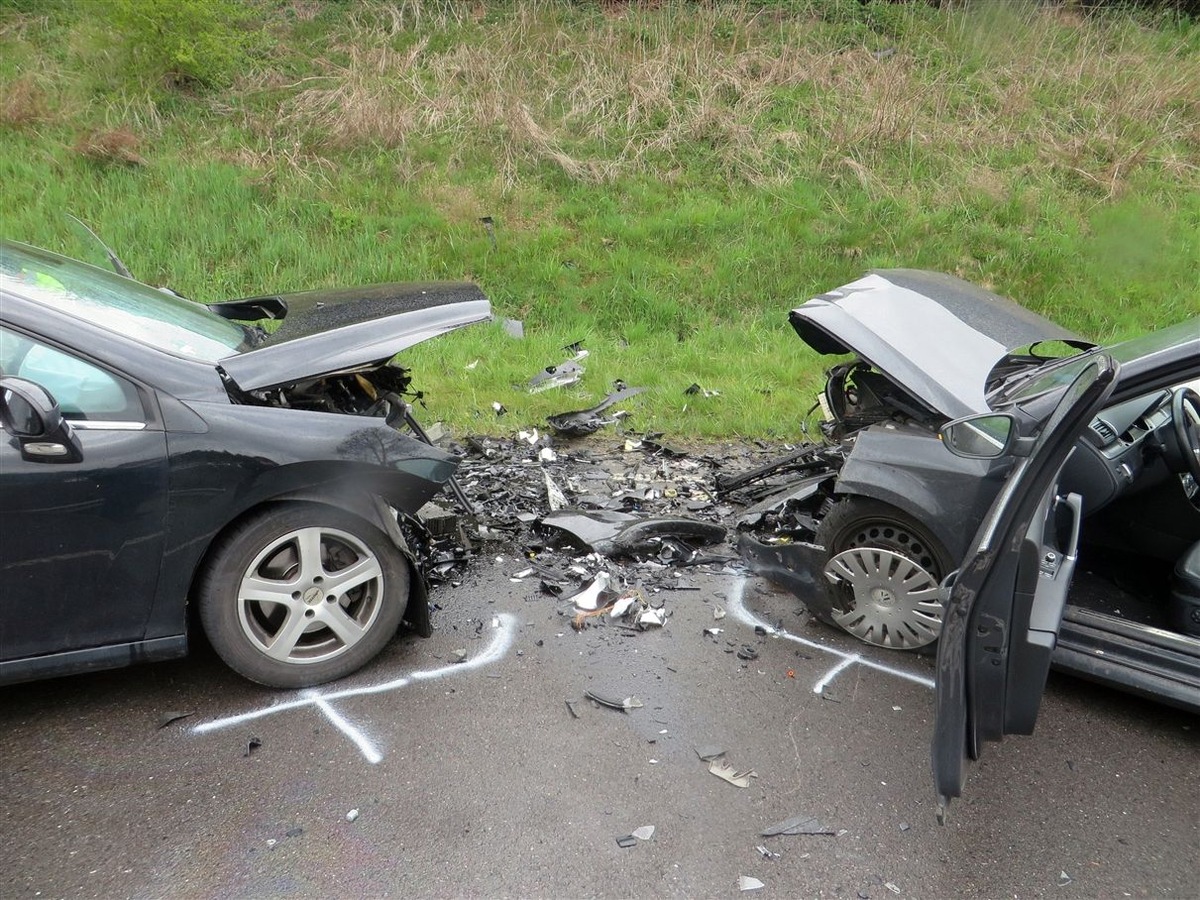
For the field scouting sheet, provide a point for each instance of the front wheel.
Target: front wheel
(885, 569)
(301, 594)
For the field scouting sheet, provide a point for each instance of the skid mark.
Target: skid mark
(736, 606)
(322, 701)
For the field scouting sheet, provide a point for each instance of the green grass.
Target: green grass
(666, 181)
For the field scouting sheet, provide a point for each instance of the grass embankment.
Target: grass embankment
(665, 181)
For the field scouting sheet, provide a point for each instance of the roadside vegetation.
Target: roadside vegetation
(664, 180)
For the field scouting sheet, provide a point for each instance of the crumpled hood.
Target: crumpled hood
(324, 332)
(935, 335)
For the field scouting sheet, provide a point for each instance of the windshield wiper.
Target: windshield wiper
(115, 260)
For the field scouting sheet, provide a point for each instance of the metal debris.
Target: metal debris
(726, 772)
(797, 825)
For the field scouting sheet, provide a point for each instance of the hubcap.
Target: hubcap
(896, 602)
(310, 595)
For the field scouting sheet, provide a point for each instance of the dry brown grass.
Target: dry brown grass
(117, 146)
(24, 104)
(644, 87)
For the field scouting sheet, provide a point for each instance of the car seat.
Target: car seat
(1184, 608)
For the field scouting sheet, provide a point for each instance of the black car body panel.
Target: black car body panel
(936, 336)
(347, 328)
(109, 547)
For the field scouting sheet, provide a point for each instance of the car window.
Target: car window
(84, 391)
(118, 304)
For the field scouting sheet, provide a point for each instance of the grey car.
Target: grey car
(866, 523)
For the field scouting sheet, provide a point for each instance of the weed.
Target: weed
(108, 147)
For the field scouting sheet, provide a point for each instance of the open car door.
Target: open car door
(1006, 601)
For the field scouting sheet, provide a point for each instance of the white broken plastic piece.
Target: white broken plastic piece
(644, 833)
(554, 495)
(713, 632)
(524, 573)
(766, 854)
(622, 605)
(529, 437)
(648, 618)
(747, 883)
(726, 772)
(352, 815)
(547, 455)
(892, 886)
(589, 598)
(718, 613)
(472, 365)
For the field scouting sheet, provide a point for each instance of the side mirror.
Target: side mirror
(30, 414)
(987, 436)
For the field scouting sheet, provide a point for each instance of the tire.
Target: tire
(301, 594)
(885, 570)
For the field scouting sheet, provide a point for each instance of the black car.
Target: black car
(879, 512)
(255, 457)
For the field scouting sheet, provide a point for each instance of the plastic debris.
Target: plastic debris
(749, 883)
(626, 841)
(499, 408)
(459, 656)
(571, 708)
(580, 422)
(765, 853)
(589, 597)
(713, 632)
(622, 605)
(694, 389)
(648, 617)
(514, 328)
(709, 752)
(747, 653)
(252, 745)
(554, 495)
(718, 613)
(564, 374)
(352, 815)
(173, 716)
(624, 705)
(892, 886)
(726, 772)
(644, 833)
(1064, 879)
(797, 825)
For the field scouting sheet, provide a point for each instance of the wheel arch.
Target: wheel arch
(371, 508)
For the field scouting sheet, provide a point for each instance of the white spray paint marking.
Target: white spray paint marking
(501, 642)
(736, 607)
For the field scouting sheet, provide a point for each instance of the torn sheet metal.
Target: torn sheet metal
(726, 772)
(588, 421)
(797, 825)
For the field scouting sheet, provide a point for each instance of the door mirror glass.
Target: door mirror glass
(29, 410)
(989, 436)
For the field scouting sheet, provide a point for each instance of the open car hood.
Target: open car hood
(935, 335)
(326, 332)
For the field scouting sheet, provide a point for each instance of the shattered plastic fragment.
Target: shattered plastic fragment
(718, 613)
(564, 374)
(624, 705)
(514, 328)
(626, 841)
(589, 597)
(644, 833)
(352, 815)
(546, 454)
(173, 716)
(554, 495)
(571, 708)
(709, 752)
(252, 745)
(747, 883)
(1064, 879)
(766, 854)
(713, 632)
(892, 886)
(622, 605)
(588, 421)
(499, 408)
(649, 618)
(797, 825)
(726, 772)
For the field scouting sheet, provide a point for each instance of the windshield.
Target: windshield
(118, 304)
(1057, 375)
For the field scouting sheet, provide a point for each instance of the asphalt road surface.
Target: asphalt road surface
(476, 779)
